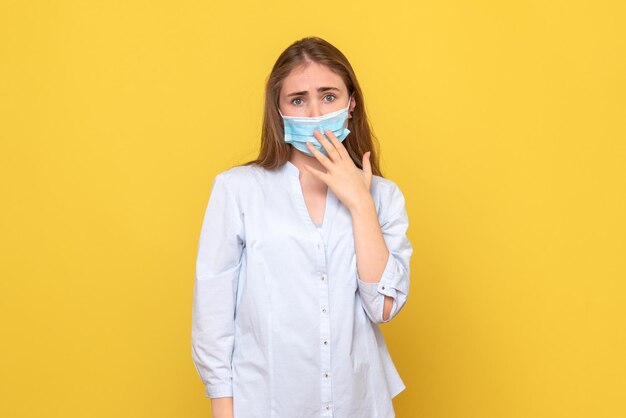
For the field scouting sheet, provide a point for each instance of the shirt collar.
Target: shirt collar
(290, 169)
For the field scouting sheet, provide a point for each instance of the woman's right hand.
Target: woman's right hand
(222, 407)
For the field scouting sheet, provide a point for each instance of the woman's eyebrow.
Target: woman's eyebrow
(304, 93)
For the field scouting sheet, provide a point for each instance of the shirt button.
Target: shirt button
(325, 342)
(326, 374)
(383, 287)
(324, 310)
(323, 277)
(328, 406)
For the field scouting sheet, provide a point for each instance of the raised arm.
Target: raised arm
(383, 273)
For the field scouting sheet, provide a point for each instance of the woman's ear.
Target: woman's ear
(352, 106)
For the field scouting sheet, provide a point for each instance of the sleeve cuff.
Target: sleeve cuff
(219, 391)
(385, 285)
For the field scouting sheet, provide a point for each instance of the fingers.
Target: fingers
(330, 147)
(319, 155)
(341, 149)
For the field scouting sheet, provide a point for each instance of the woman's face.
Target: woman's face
(312, 91)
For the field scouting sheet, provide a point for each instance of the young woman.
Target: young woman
(302, 253)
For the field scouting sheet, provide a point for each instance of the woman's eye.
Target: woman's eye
(330, 95)
(297, 98)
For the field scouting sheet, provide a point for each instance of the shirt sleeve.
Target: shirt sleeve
(218, 264)
(394, 280)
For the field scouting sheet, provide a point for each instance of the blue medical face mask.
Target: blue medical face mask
(299, 129)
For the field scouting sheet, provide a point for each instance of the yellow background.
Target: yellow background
(502, 122)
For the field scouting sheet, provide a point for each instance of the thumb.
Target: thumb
(367, 166)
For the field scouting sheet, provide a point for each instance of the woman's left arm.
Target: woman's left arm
(383, 252)
(382, 247)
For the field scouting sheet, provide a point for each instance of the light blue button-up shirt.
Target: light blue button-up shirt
(281, 320)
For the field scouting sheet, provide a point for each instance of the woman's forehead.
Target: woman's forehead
(311, 78)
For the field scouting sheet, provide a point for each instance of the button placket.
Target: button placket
(325, 347)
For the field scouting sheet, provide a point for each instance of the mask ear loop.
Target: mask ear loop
(349, 103)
